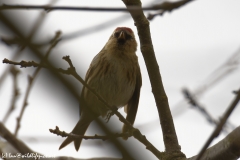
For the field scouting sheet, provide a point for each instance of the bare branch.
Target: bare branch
(163, 7)
(220, 73)
(166, 6)
(74, 136)
(20, 146)
(33, 77)
(220, 125)
(32, 155)
(71, 71)
(23, 64)
(192, 100)
(226, 149)
(14, 72)
(16, 40)
(168, 129)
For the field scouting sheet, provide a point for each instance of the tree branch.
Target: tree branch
(74, 136)
(226, 149)
(15, 40)
(192, 100)
(26, 151)
(14, 72)
(168, 129)
(166, 6)
(7, 135)
(71, 71)
(31, 79)
(220, 125)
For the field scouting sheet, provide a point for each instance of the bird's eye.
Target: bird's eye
(129, 36)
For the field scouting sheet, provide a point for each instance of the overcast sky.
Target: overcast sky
(190, 43)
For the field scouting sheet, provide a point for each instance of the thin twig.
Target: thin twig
(24, 64)
(20, 42)
(166, 6)
(220, 73)
(51, 8)
(32, 78)
(74, 136)
(220, 125)
(14, 72)
(192, 100)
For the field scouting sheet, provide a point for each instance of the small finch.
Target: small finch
(115, 75)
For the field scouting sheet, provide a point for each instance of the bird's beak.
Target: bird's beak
(122, 36)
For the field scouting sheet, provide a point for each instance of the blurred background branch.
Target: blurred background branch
(14, 72)
(227, 128)
(166, 6)
(228, 152)
(32, 78)
(219, 127)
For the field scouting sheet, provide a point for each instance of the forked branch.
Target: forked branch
(72, 71)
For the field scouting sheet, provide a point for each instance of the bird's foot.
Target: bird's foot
(110, 114)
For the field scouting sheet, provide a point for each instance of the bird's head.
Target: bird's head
(122, 38)
(123, 34)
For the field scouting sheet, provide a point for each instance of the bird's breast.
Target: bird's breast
(114, 81)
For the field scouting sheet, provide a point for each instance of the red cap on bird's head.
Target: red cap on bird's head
(123, 36)
(124, 28)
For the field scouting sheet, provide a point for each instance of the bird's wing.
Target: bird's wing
(90, 74)
(132, 106)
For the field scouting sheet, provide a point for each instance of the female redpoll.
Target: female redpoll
(115, 75)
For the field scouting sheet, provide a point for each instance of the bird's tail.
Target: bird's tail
(79, 129)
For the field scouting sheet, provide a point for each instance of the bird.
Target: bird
(115, 75)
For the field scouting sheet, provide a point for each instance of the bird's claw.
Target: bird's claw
(110, 114)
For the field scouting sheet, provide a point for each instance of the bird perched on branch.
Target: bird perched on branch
(115, 75)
